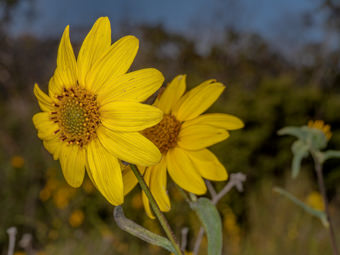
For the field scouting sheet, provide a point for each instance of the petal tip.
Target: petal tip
(67, 30)
(103, 21)
(132, 39)
(36, 89)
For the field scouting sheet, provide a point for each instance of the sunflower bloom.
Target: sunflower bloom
(183, 136)
(320, 125)
(92, 115)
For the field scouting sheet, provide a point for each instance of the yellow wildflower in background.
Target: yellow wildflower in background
(233, 230)
(88, 186)
(76, 218)
(62, 196)
(320, 125)
(183, 136)
(93, 115)
(314, 200)
(17, 161)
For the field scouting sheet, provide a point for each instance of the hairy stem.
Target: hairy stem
(184, 238)
(12, 231)
(160, 216)
(318, 169)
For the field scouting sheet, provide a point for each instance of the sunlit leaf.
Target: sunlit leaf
(211, 222)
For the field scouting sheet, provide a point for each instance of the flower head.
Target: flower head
(76, 218)
(320, 125)
(17, 161)
(183, 136)
(92, 114)
(314, 200)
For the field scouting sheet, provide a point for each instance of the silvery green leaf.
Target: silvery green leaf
(211, 222)
(328, 155)
(140, 232)
(316, 138)
(319, 214)
(294, 131)
(300, 151)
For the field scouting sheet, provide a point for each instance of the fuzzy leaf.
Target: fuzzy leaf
(140, 232)
(316, 138)
(329, 154)
(294, 131)
(211, 222)
(319, 214)
(300, 151)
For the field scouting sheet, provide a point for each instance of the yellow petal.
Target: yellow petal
(129, 180)
(55, 87)
(172, 93)
(134, 86)
(218, 120)
(72, 161)
(114, 63)
(198, 99)
(66, 72)
(95, 45)
(197, 137)
(158, 185)
(54, 147)
(145, 199)
(129, 116)
(208, 165)
(45, 102)
(45, 126)
(184, 172)
(131, 147)
(105, 171)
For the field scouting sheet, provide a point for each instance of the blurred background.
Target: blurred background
(280, 61)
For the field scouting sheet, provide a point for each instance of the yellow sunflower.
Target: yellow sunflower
(320, 125)
(92, 114)
(183, 136)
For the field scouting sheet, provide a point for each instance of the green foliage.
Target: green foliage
(140, 232)
(319, 214)
(309, 139)
(211, 222)
(300, 151)
(330, 154)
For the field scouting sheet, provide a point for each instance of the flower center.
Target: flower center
(164, 134)
(77, 114)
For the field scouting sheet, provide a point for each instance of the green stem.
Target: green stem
(160, 216)
(318, 169)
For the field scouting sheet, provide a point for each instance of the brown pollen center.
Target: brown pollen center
(77, 115)
(164, 134)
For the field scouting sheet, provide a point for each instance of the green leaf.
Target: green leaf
(300, 151)
(328, 155)
(140, 232)
(294, 131)
(316, 213)
(316, 138)
(211, 222)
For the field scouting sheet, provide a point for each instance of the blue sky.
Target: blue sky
(277, 20)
